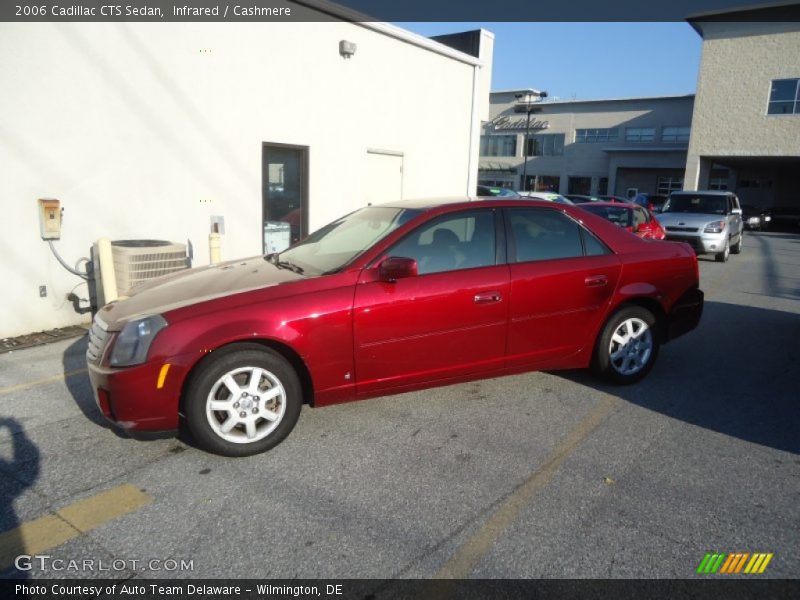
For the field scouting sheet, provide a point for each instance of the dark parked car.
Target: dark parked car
(755, 217)
(496, 192)
(387, 299)
(632, 217)
(785, 217)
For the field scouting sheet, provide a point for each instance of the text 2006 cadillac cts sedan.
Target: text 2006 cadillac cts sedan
(388, 299)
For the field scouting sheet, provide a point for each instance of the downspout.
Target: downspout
(472, 186)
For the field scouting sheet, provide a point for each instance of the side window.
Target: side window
(544, 234)
(451, 242)
(639, 218)
(593, 246)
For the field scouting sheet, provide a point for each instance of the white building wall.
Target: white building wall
(146, 131)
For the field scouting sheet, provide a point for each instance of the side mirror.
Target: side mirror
(736, 211)
(397, 267)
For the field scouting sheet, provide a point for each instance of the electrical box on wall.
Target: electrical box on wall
(50, 218)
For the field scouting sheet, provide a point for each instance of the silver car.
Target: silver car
(709, 221)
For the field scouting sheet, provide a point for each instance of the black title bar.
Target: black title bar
(393, 10)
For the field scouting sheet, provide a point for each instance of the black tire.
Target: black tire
(274, 370)
(737, 247)
(611, 368)
(723, 256)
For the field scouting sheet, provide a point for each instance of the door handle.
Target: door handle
(596, 281)
(488, 297)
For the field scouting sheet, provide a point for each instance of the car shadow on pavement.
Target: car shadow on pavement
(19, 470)
(79, 386)
(736, 374)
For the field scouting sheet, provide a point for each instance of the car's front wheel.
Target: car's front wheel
(737, 247)
(243, 402)
(723, 256)
(628, 345)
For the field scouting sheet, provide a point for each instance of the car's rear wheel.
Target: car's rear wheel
(244, 402)
(628, 345)
(723, 256)
(737, 247)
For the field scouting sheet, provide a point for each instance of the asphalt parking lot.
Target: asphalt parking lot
(540, 475)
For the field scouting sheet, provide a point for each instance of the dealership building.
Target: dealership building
(739, 132)
(260, 131)
(747, 109)
(620, 146)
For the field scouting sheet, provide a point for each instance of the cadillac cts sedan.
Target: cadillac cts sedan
(384, 300)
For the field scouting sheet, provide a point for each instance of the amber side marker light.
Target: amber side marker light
(162, 376)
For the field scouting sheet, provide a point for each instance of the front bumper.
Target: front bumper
(131, 399)
(685, 314)
(702, 243)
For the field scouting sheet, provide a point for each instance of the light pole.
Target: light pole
(526, 102)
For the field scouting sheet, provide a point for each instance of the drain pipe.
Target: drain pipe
(214, 246)
(107, 274)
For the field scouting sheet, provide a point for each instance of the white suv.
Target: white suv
(709, 221)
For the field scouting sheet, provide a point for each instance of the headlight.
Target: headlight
(715, 227)
(134, 341)
(767, 218)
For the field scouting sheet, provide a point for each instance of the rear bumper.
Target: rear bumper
(685, 315)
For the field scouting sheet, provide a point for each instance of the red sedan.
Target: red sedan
(384, 300)
(632, 217)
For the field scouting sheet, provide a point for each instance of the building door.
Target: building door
(383, 181)
(284, 177)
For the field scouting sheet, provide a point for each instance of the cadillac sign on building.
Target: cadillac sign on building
(505, 123)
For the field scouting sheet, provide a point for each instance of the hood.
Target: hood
(193, 286)
(676, 219)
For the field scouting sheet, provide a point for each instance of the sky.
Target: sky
(588, 60)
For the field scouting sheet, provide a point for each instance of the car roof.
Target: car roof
(427, 204)
(629, 205)
(704, 192)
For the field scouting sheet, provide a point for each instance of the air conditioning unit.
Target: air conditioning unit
(118, 266)
(136, 261)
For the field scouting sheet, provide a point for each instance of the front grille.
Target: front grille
(98, 336)
(687, 229)
(694, 242)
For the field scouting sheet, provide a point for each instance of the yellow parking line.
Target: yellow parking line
(30, 384)
(71, 521)
(464, 560)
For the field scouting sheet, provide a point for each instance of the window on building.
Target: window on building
(583, 136)
(498, 145)
(669, 184)
(547, 183)
(675, 134)
(579, 185)
(640, 134)
(546, 144)
(500, 183)
(784, 97)
(755, 183)
(718, 183)
(602, 186)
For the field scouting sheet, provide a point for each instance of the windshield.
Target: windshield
(620, 215)
(332, 247)
(696, 203)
